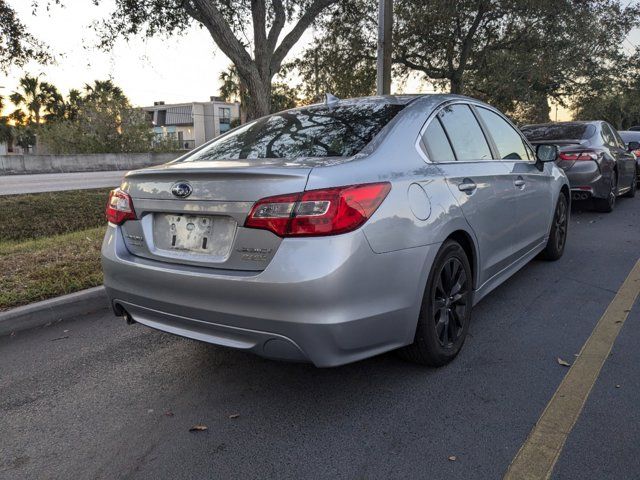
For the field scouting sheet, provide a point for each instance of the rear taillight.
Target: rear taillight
(636, 153)
(119, 207)
(573, 156)
(327, 211)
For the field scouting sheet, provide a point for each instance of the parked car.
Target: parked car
(593, 156)
(631, 138)
(338, 231)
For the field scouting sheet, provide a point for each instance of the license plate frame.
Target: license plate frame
(190, 233)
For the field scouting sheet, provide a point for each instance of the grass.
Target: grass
(39, 215)
(47, 267)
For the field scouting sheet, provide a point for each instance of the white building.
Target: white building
(192, 124)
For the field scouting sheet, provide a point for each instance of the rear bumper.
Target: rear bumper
(585, 178)
(327, 300)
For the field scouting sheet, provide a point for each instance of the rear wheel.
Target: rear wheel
(606, 204)
(446, 309)
(559, 228)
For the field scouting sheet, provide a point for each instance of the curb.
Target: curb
(53, 310)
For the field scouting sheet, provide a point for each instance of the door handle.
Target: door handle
(467, 186)
(519, 182)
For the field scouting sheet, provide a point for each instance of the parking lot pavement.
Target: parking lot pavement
(94, 398)
(56, 182)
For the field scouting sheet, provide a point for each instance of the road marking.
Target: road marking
(540, 452)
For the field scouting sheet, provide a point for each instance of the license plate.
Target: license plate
(190, 233)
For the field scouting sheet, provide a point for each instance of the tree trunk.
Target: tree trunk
(542, 109)
(258, 97)
(456, 84)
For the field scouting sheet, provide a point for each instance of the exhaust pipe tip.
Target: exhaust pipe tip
(120, 311)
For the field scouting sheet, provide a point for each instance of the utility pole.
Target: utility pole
(385, 27)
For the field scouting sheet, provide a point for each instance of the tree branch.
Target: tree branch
(294, 35)
(277, 26)
(206, 13)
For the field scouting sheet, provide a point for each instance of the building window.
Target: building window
(225, 118)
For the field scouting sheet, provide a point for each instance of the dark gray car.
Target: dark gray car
(594, 157)
(631, 139)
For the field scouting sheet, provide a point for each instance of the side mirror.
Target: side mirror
(546, 153)
(633, 146)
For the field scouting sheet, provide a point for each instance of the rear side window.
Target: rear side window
(466, 136)
(508, 141)
(437, 143)
(317, 131)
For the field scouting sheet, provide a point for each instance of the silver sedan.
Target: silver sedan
(338, 231)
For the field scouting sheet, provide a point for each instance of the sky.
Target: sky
(175, 69)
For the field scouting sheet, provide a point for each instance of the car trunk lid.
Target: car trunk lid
(205, 228)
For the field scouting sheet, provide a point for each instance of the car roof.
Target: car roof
(403, 99)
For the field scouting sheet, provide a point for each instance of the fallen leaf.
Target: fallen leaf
(234, 415)
(150, 410)
(453, 458)
(617, 386)
(168, 413)
(59, 338)
(198, 428)
(563, 362)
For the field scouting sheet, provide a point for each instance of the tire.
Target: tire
(606, 205)
(559, 230)
(632, 193)
(444, 317)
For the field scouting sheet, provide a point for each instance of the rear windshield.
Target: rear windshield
(318, 131)
(570, 131)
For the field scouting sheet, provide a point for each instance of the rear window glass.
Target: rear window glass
(567, 131)
(319, 131)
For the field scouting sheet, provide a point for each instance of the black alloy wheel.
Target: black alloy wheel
(449, 303)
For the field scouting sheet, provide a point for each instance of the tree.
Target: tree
(233, 90)
(614, 97)
(341, 59)
(17, 45)
(36, 100)
(515, 53)
(6, 131)
(568, 48)
(258, 54)
(99, 121)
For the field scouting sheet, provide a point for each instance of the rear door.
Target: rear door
(531, 185)
(482, 186)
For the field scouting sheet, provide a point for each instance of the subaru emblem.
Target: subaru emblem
(181, 189)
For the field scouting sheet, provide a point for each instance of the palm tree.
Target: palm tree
(6, 131)
(105, 91)
(34, 100)
(234, 90)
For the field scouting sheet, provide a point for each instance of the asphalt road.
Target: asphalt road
(55, 182)
(95, 398)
